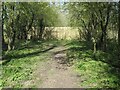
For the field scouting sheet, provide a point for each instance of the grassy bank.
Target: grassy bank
(95, 71)
(18, 65)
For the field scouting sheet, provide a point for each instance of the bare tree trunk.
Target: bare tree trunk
(30, 25)
(41, 29)
(25, 34)
(119, 25)
(103, 41)
(11, 40)
(94, 46)
(3, 41)
(119, 32)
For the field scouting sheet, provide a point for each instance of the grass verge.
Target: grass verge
(19, 64)
(93, 72)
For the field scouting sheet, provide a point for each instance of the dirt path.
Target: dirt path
(56, 73)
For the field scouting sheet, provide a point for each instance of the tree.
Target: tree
(104, 20)
(23, 19)
(95, 19)
(119, 31)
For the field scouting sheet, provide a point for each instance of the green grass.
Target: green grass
(19, 64)
(94, 72)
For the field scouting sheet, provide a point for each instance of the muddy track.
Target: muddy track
(56, 73)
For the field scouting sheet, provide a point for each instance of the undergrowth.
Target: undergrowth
(97, 71)
(19, 64)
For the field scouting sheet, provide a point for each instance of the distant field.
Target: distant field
(59, 33)
(72, 33)
(65, 33)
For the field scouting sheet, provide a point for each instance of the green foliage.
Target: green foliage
(97, 74)
(98, 71)
(19, 65)
(94, 21)
(26, 20)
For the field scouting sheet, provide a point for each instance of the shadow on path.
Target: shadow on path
(8, 58)
(55, 73)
